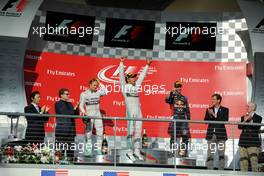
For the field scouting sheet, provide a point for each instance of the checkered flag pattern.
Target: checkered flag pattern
(229, 47)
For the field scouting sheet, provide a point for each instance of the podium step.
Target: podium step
(151, 156)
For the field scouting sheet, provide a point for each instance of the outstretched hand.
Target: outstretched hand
(122, 59)
(149, 61)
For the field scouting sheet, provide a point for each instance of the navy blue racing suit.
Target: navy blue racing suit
(181, 110)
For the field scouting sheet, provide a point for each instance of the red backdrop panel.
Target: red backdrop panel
(48, 72)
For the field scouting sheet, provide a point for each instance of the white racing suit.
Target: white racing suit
(90, 106)
(133, 111)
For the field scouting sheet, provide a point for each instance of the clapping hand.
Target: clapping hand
(42, 109)
(47, 109)
(211, 113)
(77, 105)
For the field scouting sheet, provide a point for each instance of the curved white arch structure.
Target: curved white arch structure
(16, 17)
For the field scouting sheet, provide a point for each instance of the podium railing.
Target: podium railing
(170, 142)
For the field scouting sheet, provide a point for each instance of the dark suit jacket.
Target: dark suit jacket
(35, 125)
(65, 125)
(250, 134)
(218, 129)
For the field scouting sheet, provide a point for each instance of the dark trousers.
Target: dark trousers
(182, 131)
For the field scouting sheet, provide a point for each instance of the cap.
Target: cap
(131, 75)
(178, 84)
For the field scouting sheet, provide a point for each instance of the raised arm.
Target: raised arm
(102, 89)
(121, 75)
(143, 73)
(169, 98)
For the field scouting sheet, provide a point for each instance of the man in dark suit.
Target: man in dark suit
(216, 133)
(249, 141)
(35, 125)
(65, 126)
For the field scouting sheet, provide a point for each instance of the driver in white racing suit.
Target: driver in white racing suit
(90, 106)
(129, 87)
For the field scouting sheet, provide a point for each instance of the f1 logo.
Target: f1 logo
(123, 31)
(10, 4)
(183, 35)
(134, 34)
(64, 23)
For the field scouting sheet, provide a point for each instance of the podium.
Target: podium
(151, 157)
